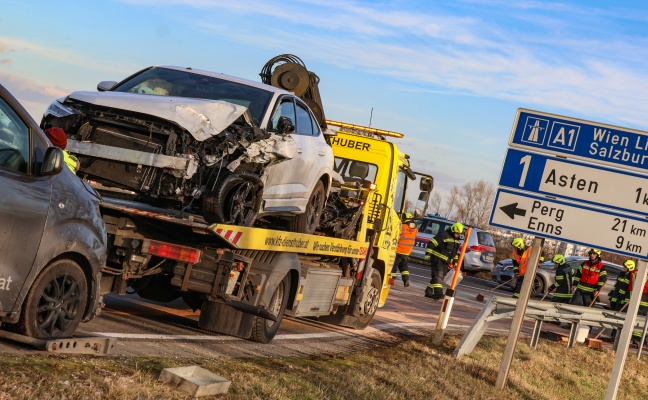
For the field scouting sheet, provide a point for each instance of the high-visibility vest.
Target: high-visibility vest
(522, 260)
(590, 273)
(407, 239)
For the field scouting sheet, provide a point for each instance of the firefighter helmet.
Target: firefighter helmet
(407, 216)
(630, 265)
(518, 243)
(594, 251)
(558, 259)
(457, 228)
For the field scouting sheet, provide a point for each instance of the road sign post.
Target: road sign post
(518, 314)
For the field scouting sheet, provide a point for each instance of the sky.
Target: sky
(450, 75)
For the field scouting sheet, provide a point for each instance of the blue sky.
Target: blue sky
(448, 74)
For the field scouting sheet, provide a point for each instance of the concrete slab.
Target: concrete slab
(195, 380)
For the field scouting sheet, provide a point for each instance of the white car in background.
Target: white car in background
(230, 149)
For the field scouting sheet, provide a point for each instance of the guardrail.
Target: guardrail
(499, 308)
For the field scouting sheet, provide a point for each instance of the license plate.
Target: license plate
(489, 258)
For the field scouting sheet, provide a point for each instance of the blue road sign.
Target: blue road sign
(571, 222)
(580, 139)
(589, 183)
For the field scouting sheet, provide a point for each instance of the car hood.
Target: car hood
(201, 118)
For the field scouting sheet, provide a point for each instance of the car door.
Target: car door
(24, 201)
(290, 182)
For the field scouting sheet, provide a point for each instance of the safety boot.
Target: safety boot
(405, 282)
(429, 292)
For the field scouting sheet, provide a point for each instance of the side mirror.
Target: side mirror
(426, 184)
(285, 125)
(329, 132)
(106, 85)
(53, 161)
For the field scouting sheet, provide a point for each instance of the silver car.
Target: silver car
(231, 149)
(546, 273)
(479, 253)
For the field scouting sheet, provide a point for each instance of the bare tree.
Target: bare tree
(451, 202)
(435, 203)
(475, 203)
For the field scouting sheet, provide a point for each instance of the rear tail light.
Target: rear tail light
(171, 251)
(481, 249)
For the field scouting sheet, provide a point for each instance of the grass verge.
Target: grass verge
(414, 369)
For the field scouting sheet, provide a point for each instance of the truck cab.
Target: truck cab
(365, 154)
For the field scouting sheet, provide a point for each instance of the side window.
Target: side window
(14, 140)
(399, 197)
(286, 109)
(612, 273)
(316, 128)
(304, 122)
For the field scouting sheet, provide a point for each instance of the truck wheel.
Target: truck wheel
(309, 220)
(235, 200)
(264, 329)
(56, 301)
(538, 285)
(372, 299)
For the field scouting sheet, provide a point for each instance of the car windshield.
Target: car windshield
(168, 82)
(485, 239)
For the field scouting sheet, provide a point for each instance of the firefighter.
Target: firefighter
(620, 294)
(442, 251)
(59, 139)
(563, 284)
(405, 246)
(589, 279)
(520, 257)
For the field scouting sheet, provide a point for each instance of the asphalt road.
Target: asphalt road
(146, 328)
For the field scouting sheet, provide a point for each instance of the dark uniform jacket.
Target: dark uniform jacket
(562, 287)
(444, 246)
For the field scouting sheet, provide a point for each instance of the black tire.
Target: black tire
(538, 285)
(309, 220)
(371, 302)
(56, 301)
(264, 330)
(236, 199)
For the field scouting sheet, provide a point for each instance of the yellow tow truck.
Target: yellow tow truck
(246, 279)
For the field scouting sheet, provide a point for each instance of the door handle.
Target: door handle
(321, 153)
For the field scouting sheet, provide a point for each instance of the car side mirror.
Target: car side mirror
(329, 132)
(285, 125)
(106, 85)
(53, 161)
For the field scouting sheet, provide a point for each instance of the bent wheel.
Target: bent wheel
(264, 329)
(235, 200)
(56, 301)
(309, 220)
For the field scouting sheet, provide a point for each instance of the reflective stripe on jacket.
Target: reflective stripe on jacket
(443, 246)
(520, 261)
(407, 239)
(591, 277)
(563, 283)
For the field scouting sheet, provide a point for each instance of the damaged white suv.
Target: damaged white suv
(231, 149)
